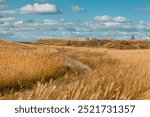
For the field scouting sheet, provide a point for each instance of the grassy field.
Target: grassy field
(75, 70)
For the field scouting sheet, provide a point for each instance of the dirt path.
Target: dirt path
(74, 64)
(77, 64)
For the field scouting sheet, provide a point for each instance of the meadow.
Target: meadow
(75, 70)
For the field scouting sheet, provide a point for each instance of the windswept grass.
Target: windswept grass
(115, 75)
(111, 81)
(21, 67)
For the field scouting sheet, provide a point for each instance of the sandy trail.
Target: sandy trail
(77, 64)
(74, 64)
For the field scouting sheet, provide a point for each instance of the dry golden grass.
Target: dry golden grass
(115, 75)
(22, 65)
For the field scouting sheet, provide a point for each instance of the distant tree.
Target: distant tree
(87, 38)
(132, 37)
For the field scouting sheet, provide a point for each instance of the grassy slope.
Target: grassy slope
(22, 65)
(117, 74)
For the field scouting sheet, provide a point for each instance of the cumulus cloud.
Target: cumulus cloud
(104, 18)
(39, 9)
(120, 19)
(34, 9)
(76, 8)
(111, 24)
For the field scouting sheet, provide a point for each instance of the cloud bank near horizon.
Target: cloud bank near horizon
(99, 27)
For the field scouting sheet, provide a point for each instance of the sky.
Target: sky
(29, 20)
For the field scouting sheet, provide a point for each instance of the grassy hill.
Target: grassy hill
(115, 44)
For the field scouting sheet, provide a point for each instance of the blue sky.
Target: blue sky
(29, 20)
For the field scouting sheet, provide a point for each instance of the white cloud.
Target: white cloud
(76, 8)
(34, 9)
(17, 23)
(7, 19)
(38, 9)
(118, 23)
(104, 18)
(144, 26)
(119, 19)
(8, 12)
(111, 24)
